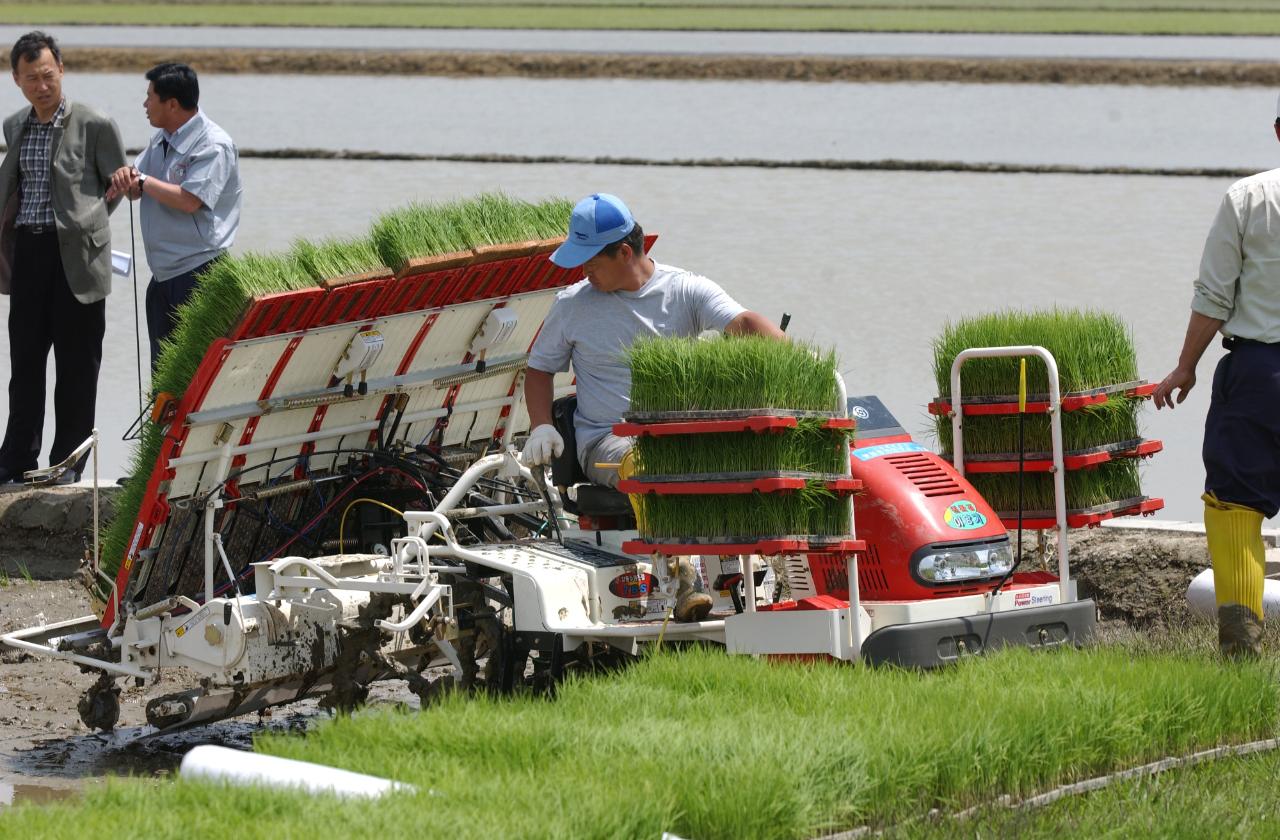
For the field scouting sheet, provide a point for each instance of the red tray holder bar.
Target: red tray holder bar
(1070, 402)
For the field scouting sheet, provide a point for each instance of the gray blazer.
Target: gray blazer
(85, 151)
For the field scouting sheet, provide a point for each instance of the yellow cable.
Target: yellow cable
(342, 523)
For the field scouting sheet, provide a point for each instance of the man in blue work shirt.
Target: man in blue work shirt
(188, 179)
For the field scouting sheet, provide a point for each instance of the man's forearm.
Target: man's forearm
(1201, 330)
(170, 195)
(538, 393)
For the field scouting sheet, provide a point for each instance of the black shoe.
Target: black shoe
(8, 476)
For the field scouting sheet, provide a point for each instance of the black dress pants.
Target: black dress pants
(43, 313)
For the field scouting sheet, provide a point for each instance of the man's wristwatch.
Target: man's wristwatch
(142, 181)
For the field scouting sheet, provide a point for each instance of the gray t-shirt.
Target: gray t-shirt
(591, 329)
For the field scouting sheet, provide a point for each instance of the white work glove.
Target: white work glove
(544, 443)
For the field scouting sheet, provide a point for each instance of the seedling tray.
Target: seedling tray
(736, 483)
(1078, 459)
(1039, 403)
(747, 545)
(1083, 517)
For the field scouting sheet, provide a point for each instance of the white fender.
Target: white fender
(219, 764)
(1201, 598)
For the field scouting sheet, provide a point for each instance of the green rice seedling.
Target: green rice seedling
(811, 510)
(1114, 421)
(424, 230)
(746, 372)
(1092, 350)
(806, 448)
(701, 744)
(1109, 482)
(336, 257)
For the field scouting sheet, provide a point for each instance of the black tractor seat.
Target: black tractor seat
(609, 508)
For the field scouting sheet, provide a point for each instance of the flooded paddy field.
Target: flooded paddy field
(967, 45)
(872, 263)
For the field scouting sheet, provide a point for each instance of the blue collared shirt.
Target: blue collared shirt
(202, 159)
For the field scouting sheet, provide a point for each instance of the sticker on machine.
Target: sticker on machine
(1027, 599)
(964, 516)
(868, 452)
(633, 584)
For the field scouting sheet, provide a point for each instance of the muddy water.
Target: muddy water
(873, 263)
(1029, 124)
(764, 43)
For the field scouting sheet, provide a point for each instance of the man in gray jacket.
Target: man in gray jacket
(55, 255)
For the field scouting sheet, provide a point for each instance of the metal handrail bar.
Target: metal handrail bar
(1055, 427)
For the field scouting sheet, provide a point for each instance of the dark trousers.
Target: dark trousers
(163, 299)
(1242, 429)
(43, 313)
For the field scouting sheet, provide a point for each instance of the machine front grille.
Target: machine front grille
(925, 473)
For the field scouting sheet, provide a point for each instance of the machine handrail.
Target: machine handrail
(1055, 427)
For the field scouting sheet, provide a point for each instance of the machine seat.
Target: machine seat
(594, 500)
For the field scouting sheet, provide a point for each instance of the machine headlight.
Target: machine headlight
(965, 563)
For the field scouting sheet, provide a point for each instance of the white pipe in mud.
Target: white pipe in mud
(219, 764)
(1201, 598)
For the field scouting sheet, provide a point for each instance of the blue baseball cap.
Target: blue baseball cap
(598, 220)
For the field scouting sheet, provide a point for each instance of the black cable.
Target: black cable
(137, 321)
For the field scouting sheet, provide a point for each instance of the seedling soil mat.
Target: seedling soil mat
(737, 483)
(1035, 520)
(772, 422)
(1078, 459)
(1039, 403)
(747, 545)
(648, 417)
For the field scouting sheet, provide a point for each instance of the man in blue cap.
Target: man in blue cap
(625, 296)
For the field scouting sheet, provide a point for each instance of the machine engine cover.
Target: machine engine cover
(913, 500)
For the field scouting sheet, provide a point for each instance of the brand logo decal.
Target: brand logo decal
(632, 584)
(869, 452)
(1027, 599)
(964, 516)
(860, 412)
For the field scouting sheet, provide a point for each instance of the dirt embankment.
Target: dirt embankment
(1200, 73)
(45, 533)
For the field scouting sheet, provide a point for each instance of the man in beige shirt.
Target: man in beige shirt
(1238, 295)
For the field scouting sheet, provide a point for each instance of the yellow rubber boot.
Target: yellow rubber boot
(1238, 555)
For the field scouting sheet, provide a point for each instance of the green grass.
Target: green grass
(336, 257)
(1114, 421)
(810, 510)
(227, 288)
(806, 448)
(741, 372)
(1092, 350)
(421, 230)
(1109, 482)
(1124, 17)
(710, 746)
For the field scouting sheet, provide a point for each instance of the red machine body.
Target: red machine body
(915, 508)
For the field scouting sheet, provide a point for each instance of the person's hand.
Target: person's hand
(1181, 380)
(124, 181)
(544, 443)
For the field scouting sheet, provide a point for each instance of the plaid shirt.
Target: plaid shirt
(36, 168)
